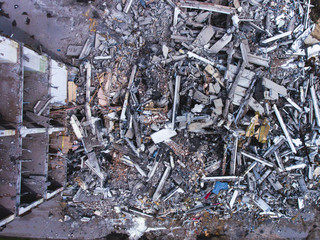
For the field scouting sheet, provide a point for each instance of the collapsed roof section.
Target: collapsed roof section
(30, 85)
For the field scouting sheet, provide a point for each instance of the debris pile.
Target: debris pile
(190, 106)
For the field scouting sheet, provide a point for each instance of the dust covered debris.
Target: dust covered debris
(177, 97)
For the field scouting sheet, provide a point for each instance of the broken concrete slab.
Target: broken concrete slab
(204, 36)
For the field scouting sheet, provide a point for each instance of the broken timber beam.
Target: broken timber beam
(128, 6)
(232, 90)
(157, 195)
(222, 178)
(176, 100)
(207, 6)
(284, 129)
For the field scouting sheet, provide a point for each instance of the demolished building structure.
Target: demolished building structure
(31, 171)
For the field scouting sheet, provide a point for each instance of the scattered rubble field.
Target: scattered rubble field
(196, 119)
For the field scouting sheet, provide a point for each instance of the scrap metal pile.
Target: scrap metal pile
(193, 106)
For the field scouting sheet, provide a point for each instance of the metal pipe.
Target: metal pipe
(284, 129)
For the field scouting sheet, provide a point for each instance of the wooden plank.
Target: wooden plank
(207, 6)
(236, 99)
(240, 91)
(255, 105)
(244, 82)
(72, 91)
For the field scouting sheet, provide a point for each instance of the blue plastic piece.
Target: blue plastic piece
(143, 3)
(220, 186)
(155, 154)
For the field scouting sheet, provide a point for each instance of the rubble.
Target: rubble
(166, 112)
